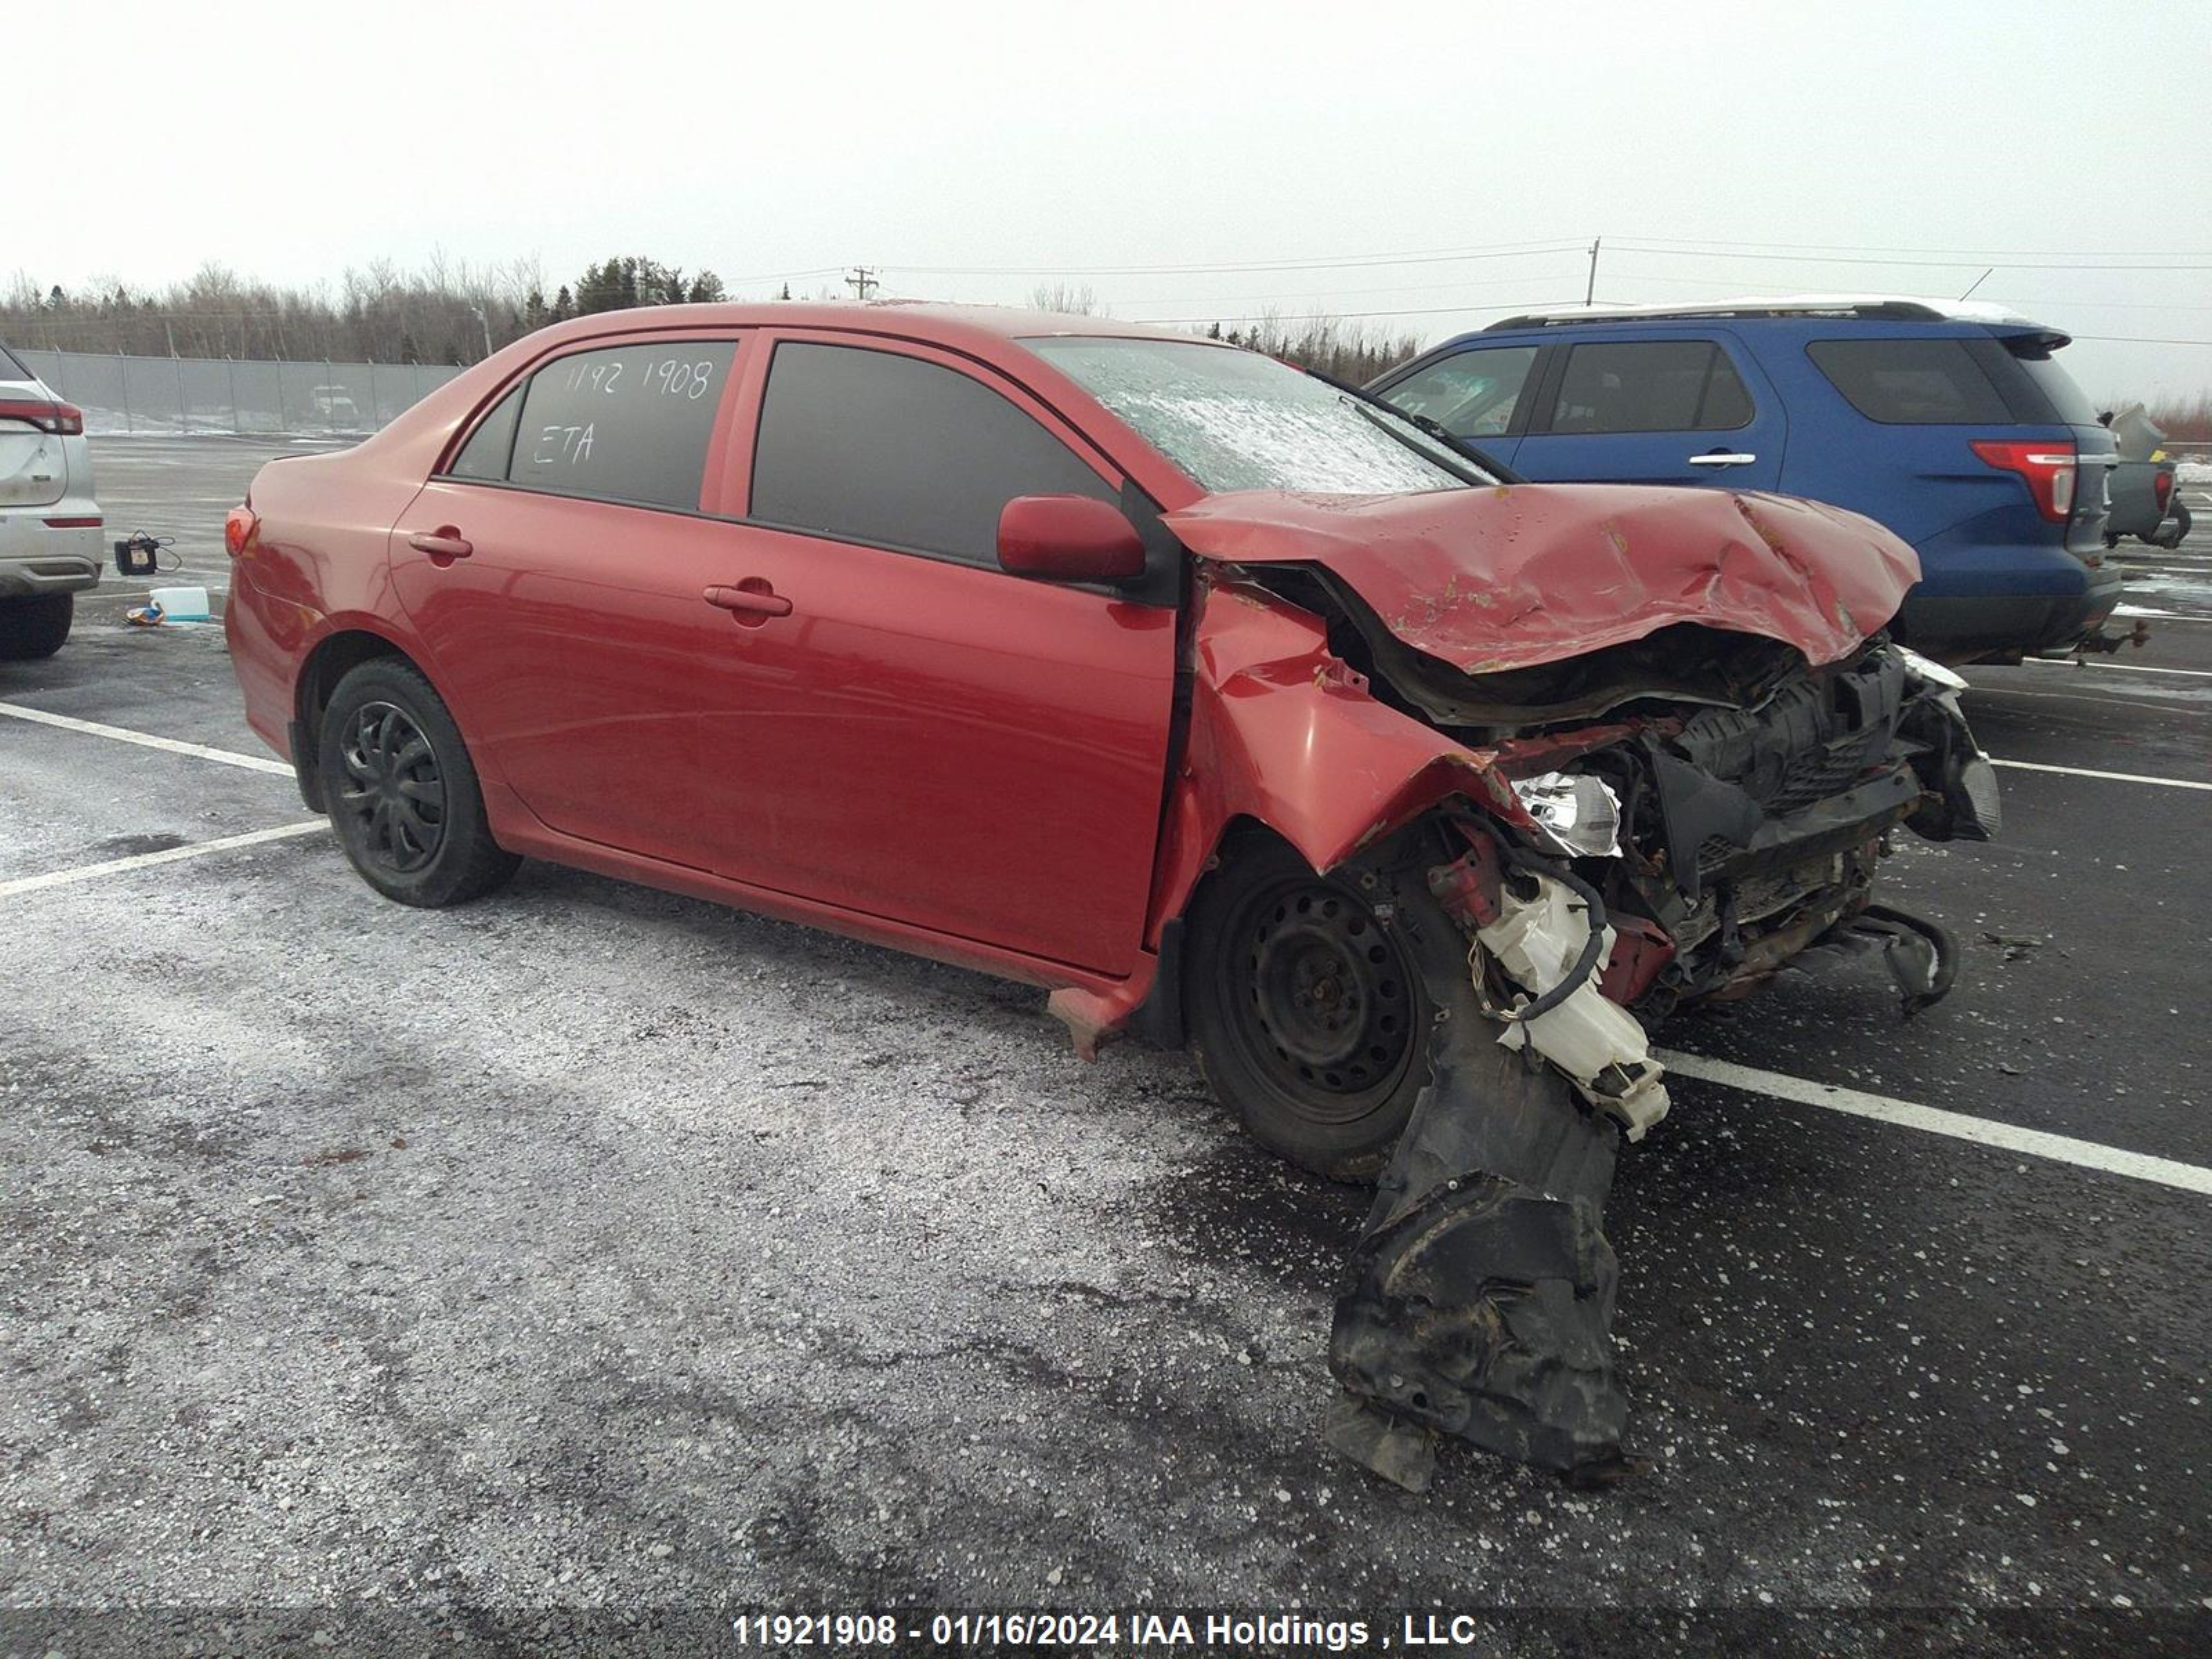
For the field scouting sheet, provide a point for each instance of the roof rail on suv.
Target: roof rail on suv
(1872, 307)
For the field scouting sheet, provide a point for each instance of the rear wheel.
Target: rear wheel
(1306, 1017)
(35, 628)
(402, 792)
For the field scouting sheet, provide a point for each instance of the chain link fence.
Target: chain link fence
(162, 395)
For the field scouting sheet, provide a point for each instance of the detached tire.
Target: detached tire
(402, 792)
(1305, 1015)
(35, 628)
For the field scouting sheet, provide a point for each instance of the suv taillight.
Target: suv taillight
(2161, 488)
(64, 420)
(2048, 469)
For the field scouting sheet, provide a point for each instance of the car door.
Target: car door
(919, 735)
(1480, 394)
(1676, 410)
(553, 571)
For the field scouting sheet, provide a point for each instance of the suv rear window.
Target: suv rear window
(2069, 402)
(11, 367)
(1908, 382)
(1650, 386)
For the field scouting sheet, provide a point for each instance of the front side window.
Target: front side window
(1650, 386)
(1908, 382)
(868, 446)
(1234, 420)
(1471, 394)
(627, 423)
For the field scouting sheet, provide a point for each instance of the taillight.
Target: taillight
(2161, 487)
(62, 420)
(2049, 472)
(238, 528)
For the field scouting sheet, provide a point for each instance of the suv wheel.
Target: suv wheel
(1306, 1015)
(35, 628)
(402, 792)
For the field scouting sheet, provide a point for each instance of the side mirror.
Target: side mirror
(1068, 539)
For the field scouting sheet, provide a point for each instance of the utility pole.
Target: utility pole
(486, 321)
(864, 279)
(1590, 292)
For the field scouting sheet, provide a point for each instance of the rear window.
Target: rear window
(1650, 386)
(629, 423)
(11, 366)
(1909, 382)
(2069, 402)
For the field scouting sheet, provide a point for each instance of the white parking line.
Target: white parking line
(168, 855)
(2064, 1149)
(145, 739)
(2090, 772)
(2115, 667)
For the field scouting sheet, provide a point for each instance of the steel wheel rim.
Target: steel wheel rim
(393, 798)
(1320, 1000)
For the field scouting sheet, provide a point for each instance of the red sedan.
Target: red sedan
(1220, 700)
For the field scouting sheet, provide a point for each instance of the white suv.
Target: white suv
(50, 545)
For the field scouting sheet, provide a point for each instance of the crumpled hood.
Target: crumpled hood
(1506, 577)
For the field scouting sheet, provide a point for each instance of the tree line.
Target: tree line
(452, 311)
(445, 312)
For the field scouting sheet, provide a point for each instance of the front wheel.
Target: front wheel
(402, 792)
(35, 628)
(1306, 1017)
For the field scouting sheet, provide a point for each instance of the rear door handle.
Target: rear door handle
(758, 601)
(443, 543)
(1722, 457)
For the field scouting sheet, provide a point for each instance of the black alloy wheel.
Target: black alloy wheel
(402, 789)
(394, 792)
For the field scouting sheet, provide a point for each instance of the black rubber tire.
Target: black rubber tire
(35, 628)
(1337, 1118)
(453, 858)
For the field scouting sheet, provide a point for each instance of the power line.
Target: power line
(1971, 252)
(1843, 260)
(1333, 316)
(1430, 256)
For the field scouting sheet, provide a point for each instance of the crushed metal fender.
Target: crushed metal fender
(1480, 1294)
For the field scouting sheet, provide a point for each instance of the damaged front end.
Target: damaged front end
(1673, 855)
(1593, 755)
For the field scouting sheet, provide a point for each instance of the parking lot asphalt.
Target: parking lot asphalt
(592, 1247)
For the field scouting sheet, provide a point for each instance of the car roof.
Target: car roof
(1825, 309)
(923, 320)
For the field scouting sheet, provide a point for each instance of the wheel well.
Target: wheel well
(328, 664)
(1158, 1019)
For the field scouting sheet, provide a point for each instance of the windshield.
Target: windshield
(1235, 420)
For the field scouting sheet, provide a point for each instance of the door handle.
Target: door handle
(1722, 457)
(443, 543)
(760, 600)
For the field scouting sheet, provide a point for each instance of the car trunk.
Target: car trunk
(34, 465)
(2036, 353)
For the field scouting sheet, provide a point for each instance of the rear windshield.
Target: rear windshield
(2069, 402)
(11, 366)
(1237, 420)
(1911, 382)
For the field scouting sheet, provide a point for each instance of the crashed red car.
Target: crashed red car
(1227, 704)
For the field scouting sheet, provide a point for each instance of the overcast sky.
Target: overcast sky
(974, 151)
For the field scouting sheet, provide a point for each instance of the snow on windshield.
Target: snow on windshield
(1234, 420)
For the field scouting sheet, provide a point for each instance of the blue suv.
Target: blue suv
(1955, 427)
